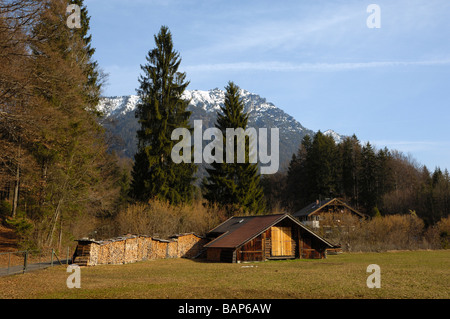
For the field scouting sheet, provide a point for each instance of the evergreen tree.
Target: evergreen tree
(384, 178)
(350, 150)
(93, 84)
(321, 164)
(440, 194)
(425, 196)
(160, 111)
(297, 177)
(368, 175)
(274, 186)
(235, 186)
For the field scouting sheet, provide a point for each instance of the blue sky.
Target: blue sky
(316, 60)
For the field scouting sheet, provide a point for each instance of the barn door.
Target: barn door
(281, 241)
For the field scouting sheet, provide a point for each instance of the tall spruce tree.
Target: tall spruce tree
(91, 70)
(160, 111)
(321, 165)
(234, 186)
(312, 173)
(368, 181)
(296, 194)
(350, 152)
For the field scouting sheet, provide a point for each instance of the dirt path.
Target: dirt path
(8, 243)
(19, 268)
(8, 239)
(14, 263)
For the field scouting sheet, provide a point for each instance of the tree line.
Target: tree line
(374, 181)
(54, 163)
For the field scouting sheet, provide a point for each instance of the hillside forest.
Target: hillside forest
(60, 180)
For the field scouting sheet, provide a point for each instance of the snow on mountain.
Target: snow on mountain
(337, 137)
(204, 105)
(210, 101)
(114, 106)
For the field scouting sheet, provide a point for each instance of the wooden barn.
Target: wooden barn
(260, 238)
(312, 214)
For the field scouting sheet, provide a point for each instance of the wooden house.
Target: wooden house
(312, 214)
(260, 238)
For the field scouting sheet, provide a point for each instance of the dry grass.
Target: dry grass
(383, 233)
(411, 275)
(161, 219)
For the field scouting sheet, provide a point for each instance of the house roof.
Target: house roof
(316, 206)
(311, 208)
(236, 222)
(237, 231)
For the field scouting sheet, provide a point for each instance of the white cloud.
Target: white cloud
(270, 33)
(308, 67)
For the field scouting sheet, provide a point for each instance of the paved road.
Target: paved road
(14, 270)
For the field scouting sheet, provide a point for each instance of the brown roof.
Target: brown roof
(237, 231)
(316, 206)
(241, 230)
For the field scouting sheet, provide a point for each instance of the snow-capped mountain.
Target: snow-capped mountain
(118, 105)
(209, 101)
(204, 105)
(337, 137)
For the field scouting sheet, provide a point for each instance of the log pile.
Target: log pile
(131, 248)
(158, 248)
(189, 245)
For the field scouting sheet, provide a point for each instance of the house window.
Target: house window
(282, 241)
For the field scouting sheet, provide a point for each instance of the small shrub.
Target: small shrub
(24, 229)
(376, 212)
(382, 233)
(438, 236)
(5, 209)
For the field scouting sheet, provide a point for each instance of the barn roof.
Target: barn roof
(318, 205)
(237, 231)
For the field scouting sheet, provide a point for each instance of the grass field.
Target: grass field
(410, 275)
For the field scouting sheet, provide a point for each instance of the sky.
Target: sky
(316, 60)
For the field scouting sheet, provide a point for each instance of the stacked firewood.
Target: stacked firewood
(131, 248)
